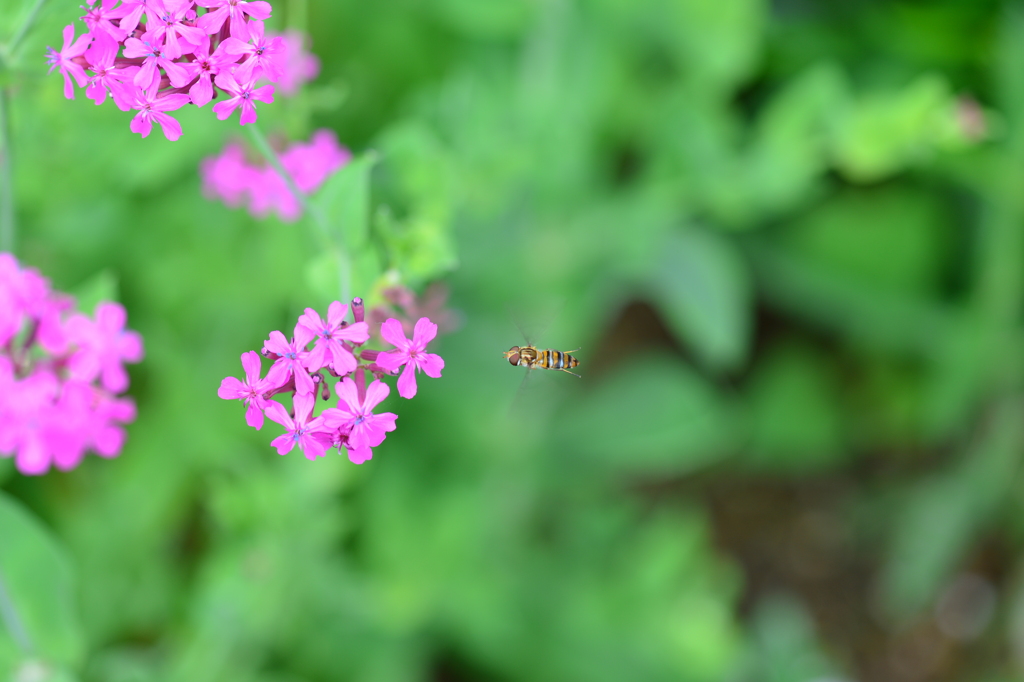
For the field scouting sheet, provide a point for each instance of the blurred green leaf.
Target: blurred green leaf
(701, 284)
(100, 287)
(345, 202)
(650, 416)
(36, 588)
(796, 422)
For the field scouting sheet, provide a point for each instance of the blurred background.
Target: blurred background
(788, 237)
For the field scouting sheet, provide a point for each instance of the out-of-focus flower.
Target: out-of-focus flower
(297, 65)
(60, 372)
(234, 180)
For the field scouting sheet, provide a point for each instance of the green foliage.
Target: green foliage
(786, 237)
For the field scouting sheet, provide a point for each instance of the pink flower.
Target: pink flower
(307, 433)
(235, 10)
(251, 390)
(329, 349)
(101, 55)
(241, 95)
(132, 11)
(153, 53)
(151, 108)
(100, 22)
(260, 56)
(296, 64)
(410, 353)
(228, 176)
(365, 429)
(27, 423)
(103, 346)
(291, 360)
(205, 67)
(64, 60)
(167, 23)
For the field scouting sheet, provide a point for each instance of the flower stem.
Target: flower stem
(6, 185)
(12, 46)
(9, 617)
(311, 210)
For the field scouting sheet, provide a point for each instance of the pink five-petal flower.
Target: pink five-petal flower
(365, 429)
(410, 353)
(106, 77)
(311, 163)
(103, 345)
(154, 54)
(251, 390)
(64, 60)
(100, 21)
(236, 11)
(291, 361)
(132, 11)
(151, 108)
(329, 336)
(261, 60)
(228, 176)
(297, 66)
(168, 24)
(205, 67)
(308, 434)
(241, 94)
(28, 422)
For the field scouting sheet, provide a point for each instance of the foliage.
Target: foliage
(788, 238)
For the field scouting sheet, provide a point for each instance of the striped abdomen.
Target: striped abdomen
(556, 359)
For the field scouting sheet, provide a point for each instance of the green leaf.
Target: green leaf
(702, 286)
(651, 416)
(37, 584)
(344, 201)
(100, 287)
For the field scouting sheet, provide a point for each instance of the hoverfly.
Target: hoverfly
(533, 358)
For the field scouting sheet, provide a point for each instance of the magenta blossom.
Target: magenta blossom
(242, 95)
(355, 416)
(306, 374)
(330, 337)
(297, 65)
(64, 60)
(235, 10)
(307, 433)
(145, 51)
(412, 354)
(290, 364)
(251, 390)
(59, 371)
(234, 180)
(103, 346)
(261, 58)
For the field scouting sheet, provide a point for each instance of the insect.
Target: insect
(532, 358)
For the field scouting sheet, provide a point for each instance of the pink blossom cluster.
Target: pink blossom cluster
(60, 373)
(336, 352)
(157, 56)
(236, 181)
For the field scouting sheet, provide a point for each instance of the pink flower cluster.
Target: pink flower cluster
(304, 372)
(231, 178)
(174, 56)
(60, 373)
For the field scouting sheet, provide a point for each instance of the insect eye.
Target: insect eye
(513, 359)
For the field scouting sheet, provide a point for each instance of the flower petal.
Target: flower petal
(407, 382)
(430, 364)
(392, 332)
(424, 332)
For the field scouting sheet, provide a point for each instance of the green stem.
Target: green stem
(10, 619)
(7, 225)
(23, 31)
(311, 210)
